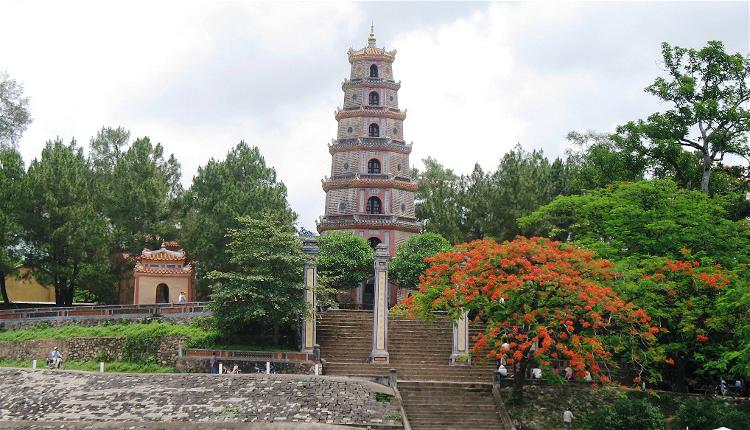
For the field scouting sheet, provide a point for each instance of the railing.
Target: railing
(103, 311)
(248, 355)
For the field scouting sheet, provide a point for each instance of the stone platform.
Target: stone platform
(220, 401)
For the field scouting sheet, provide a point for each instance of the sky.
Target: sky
(477, 78)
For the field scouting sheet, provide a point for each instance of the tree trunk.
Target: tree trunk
(3, 291)
(678, 379)
(519, 379)
(706, 177)
(275, 334)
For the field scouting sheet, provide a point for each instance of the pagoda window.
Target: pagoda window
(374, 130)
(374, 206)
(373, 71)
(374, 241)
(374, 98)
(373, 166)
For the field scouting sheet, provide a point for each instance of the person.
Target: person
(536, 373)
(723, 387)
(212, 363)
(569, 373)
(235, 370)
(588, 377)
(55, 358)
(502, 371)
(738, 387)
(568, 419)
(181, 298)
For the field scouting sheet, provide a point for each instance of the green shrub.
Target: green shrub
(626, 414)
(703, 414)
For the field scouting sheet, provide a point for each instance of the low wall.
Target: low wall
(18, 319)
(87, 349)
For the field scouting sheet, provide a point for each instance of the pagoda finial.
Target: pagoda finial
(371, 39)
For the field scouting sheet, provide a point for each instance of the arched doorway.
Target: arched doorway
(162, 293)
(374, 241)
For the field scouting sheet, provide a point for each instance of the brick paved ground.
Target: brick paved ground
(90, 397)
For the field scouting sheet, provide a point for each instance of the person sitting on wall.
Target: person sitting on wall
(502, 371)
(181, 298)
(55, 359)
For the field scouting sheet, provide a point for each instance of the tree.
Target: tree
(264, 285)
(222, 191)
(438, 201)
(681, 296)
(626, 414)
(522, 182)
(68, 240)
(708, 90)
(596, 162)
(14, 111)
(344, 260)
(409, 263)
(543, 301)
(11, 194)
(642, 219)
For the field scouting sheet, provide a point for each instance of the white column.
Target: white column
(310, 248)
(460, 354)
(379, 352)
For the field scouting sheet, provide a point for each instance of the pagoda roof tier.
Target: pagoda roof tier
(370, 83)
(354, 221)
(371, 53)
(181, 270)
(374, 111)
(162, 254)
(365, 180)
(369, 143)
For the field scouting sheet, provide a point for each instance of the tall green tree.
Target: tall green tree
(14, 111)
(223, 190)
(68, 239)
(264, 284)
(708, 120)
(438, 201)
(596, 161)
(12, 193)
(409, 262)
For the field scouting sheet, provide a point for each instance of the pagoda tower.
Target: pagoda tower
(370, 192)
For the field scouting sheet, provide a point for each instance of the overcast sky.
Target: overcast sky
(477, 78)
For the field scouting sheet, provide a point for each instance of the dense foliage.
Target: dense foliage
(409, 262)
(344, 260)
(626, 414)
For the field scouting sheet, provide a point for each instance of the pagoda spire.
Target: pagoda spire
(371, 39)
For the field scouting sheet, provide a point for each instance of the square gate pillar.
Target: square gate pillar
(379, 352)
(460, 354)
(310, 248)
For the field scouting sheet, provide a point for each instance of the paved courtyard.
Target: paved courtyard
(153, 400)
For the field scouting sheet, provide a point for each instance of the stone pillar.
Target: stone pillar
(461, 341)
(379, 352)
(310, 248)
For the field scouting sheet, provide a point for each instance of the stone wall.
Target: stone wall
(86, 349)
(185, 318)
(92, 397)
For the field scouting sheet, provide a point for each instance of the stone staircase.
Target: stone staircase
(419, 350)
(446, 405)
(436, 394)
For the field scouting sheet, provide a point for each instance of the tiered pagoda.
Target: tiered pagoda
(370, 192)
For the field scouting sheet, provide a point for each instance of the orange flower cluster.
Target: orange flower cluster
(542, 301)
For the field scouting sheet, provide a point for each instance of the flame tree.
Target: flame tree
(545, 303)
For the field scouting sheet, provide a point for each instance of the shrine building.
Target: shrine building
(370, 192)
(161, 275)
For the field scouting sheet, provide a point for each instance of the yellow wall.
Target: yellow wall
(28, 290)
(147, 287)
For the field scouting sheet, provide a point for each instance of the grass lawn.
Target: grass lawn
(93, 366)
